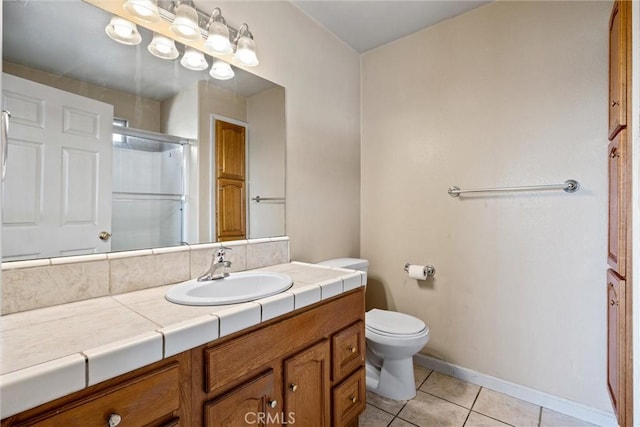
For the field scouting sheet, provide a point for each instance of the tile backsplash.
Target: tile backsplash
(27, 285)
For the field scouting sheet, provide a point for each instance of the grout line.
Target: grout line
(476, 399)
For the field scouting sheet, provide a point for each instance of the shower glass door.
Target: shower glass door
(148, 190)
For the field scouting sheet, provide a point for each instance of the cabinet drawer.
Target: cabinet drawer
(137, 402)
(347, 350)
(349, 398)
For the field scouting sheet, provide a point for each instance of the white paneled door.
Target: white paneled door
(57, 192)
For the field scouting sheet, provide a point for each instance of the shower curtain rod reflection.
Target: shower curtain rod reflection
(569, 186)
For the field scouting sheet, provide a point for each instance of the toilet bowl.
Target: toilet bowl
(392, 340)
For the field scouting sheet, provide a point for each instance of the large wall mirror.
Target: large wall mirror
(112, 148)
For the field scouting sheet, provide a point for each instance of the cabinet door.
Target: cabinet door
(616, 331)
(617, 68)
(252, 403)
(618, 182)
(307, 386)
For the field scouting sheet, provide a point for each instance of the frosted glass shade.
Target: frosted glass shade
(185, 24)
(123, 31)
(146, 10)
(218, 38)
(246, 51)
(163, 47)
(221, 70)
(194, 60)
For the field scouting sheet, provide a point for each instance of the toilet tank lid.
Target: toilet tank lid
(352, 263)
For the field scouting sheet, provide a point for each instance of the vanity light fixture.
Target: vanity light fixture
(185, 24)
(146, 10)
(245, 47)
(193, 60)
(123, 31)
(163, 47)
(221, 70)
(218, 37)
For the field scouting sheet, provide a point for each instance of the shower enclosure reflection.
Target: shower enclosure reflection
(148, 193)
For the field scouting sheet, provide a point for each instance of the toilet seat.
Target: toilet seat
(393, 324)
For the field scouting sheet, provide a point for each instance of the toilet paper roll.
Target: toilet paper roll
(418, 272)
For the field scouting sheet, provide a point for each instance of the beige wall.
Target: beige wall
(142, 113)
(321, 77)
(513, 93)
(266, 152)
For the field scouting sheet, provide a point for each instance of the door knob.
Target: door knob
(104, 235)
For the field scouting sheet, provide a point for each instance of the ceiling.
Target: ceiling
(365, 25)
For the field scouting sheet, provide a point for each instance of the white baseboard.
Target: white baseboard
(555, 403)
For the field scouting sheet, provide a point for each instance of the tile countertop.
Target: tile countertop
(51, 352)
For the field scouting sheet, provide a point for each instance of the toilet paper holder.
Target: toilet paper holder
(429, 269)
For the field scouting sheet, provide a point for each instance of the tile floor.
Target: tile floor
(444, 401)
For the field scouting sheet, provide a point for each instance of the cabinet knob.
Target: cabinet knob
(612, 302)
(272, 403)
(614, 103)
(104, 235)
(352, 349)
(293, 387)
(353, 399)
(114, 420)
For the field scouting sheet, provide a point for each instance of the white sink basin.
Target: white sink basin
(238, 287)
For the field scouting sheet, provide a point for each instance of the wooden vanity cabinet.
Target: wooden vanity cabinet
(153, 396)
(305, 368)
(302, 354)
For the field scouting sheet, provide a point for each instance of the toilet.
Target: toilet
(392, 340)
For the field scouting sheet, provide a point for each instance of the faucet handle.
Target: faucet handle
(222, 250)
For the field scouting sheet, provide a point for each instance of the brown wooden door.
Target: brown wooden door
(231, 223)
(230, 181)
(252, 403)
(618, 182)
(617, 68)
(616, 351)
(307, 384)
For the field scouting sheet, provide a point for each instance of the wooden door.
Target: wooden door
(618, 182)
(57, 193)
(616, 344)
(230, 181)
(617, 68)
(252, 403)
(307, 384)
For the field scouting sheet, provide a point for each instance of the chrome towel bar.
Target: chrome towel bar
(259, 199)
(569, 186)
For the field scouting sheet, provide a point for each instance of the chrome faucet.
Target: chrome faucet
(217, 263)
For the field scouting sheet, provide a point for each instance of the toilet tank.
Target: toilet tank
(351, 263)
